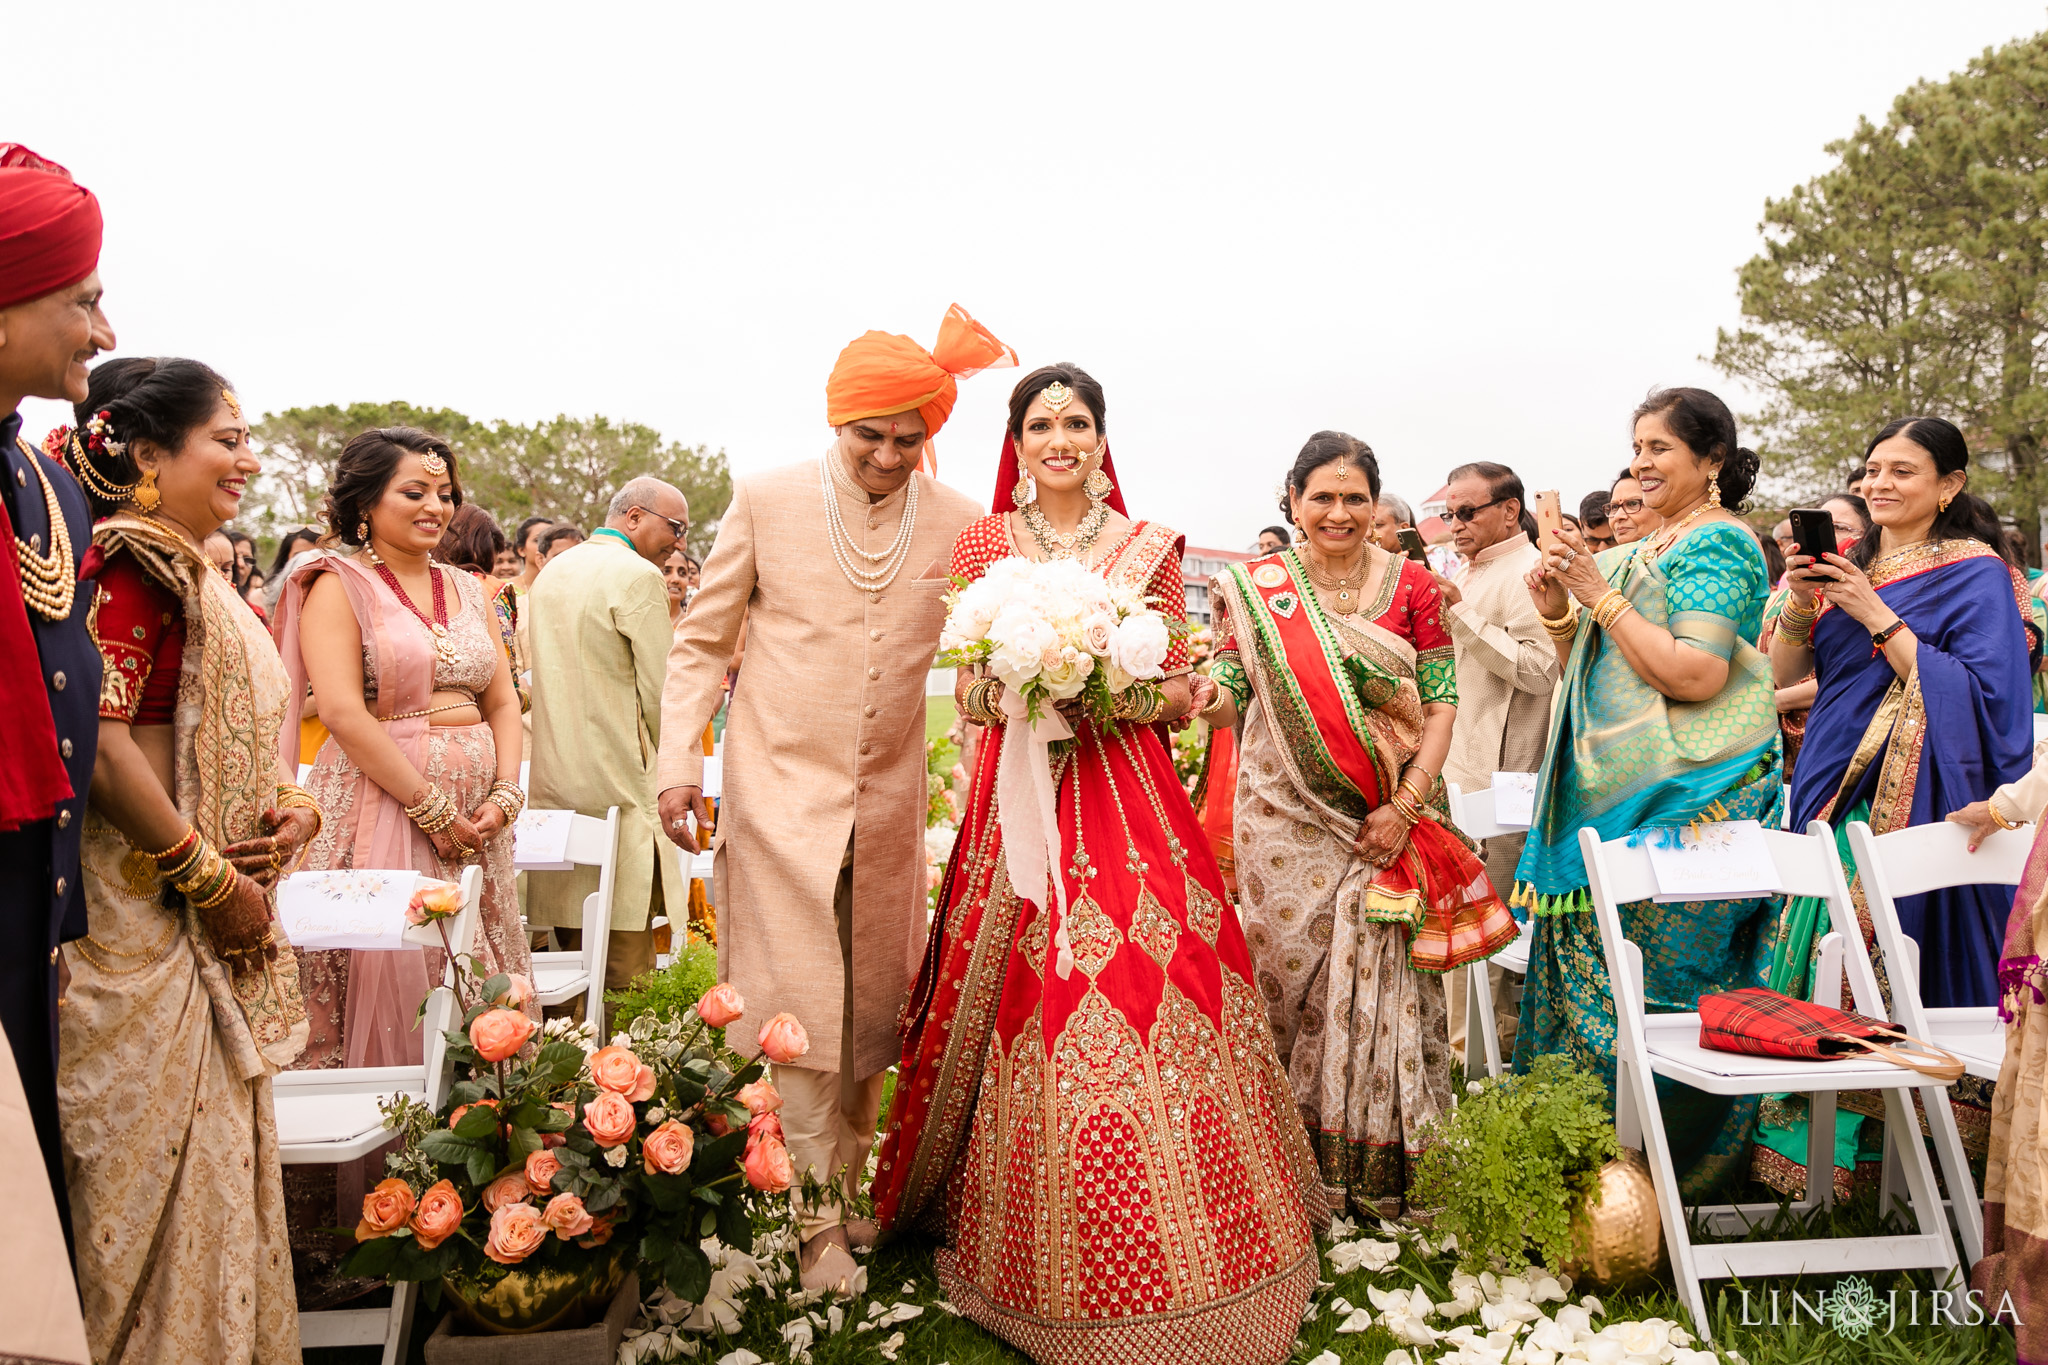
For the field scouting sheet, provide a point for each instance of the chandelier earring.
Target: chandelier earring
(1714, 488)
(1097, 485)
(1021, 494)
(147, 499)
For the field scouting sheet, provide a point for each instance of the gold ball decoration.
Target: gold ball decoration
(541, 1300)
(1619, 1241)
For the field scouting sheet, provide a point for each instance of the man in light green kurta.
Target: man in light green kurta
(599, 641)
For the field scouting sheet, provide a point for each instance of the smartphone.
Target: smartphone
(1813, 532)
(1411, 541)
(1549, 517)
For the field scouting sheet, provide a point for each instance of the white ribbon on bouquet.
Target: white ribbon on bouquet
(1027, 804)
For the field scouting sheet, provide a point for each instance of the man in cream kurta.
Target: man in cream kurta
(838, 566)
(1507, 669)
(600, 642)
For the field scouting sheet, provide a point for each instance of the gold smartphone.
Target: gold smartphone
(1549, 518)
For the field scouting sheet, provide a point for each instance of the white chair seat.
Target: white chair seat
(1975, 1034)
(1515, 956)
(1673, 1042)
(554, 984)
(329, 1126)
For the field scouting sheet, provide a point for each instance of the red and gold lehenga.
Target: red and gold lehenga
(1114, 1158)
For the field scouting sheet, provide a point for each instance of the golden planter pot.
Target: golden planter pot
(1620, 1240)
(541, 1300)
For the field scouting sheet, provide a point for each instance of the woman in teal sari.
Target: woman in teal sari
(1666, 716)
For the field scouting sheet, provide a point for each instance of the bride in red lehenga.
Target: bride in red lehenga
(1111, 1151)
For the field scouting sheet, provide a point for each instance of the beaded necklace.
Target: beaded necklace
(48, 582)
(444, 647)
(879, 570)
(1074, 545)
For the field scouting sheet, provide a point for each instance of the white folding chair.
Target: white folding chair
(1909, 862)
(1651, 1045)
(324, 1117)
(560, 977)
(1474, 815)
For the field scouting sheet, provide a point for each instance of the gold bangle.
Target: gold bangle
(1998, 816)
(1611, 607)
(1566, 630)
(1406, 809)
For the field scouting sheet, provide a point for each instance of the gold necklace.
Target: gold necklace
(1672, 532)
(49, 582)
(1329, 582)
(1075, 545)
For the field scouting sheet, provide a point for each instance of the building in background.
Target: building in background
(1197, 567)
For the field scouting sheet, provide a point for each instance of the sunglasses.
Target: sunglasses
(1461, 515)
(1629, 505)
(681, 528)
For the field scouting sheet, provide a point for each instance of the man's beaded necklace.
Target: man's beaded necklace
(49, 582)
(870, 572)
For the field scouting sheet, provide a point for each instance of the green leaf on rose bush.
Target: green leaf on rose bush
(480, 1122)
(495, 988)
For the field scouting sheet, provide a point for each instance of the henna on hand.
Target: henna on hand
(239, 928)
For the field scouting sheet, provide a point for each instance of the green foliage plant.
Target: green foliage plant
(667, 992)
(1511, 1166)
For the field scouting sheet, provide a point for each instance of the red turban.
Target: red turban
(49, 227)
(880, 375)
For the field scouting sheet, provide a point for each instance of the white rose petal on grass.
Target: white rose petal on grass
(1363, 1254)
(1357, 1320)
(1340, 1228)
(740, 1357)
(890, 1347)
(835, 1318)
(1594, 1306)
(1393, 1358)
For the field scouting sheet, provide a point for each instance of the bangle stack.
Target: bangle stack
(292, 796)
(1611, 607)
(979, 708)
(193, 867)
(1795, 624)
(1140, 703)
(1565, 626)
(507, 797)
(1998, 816)
(434, 813)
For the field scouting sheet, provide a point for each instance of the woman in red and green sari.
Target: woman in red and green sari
(1356, 890)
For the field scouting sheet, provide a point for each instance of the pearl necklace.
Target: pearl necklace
(49, 582)
(881, 569)
(1074, 545)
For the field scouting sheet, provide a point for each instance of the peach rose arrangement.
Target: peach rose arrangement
(555, 1152)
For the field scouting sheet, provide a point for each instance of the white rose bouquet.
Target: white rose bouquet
(1055, 631)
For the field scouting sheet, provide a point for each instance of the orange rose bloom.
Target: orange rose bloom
(540, 1172)
(721, 1005)
(609, 1119)
(516, 1233)
(385, 1210)
(783, 1039)
(509, 1188)
(668, 1149)
(566, 1215)
(497, 1034)
(438, 1215)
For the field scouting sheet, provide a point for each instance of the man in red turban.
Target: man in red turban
(838, 567)
(50, 328)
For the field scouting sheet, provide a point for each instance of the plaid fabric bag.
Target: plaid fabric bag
(1765, 1023)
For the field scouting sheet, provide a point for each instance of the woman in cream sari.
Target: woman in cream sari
(1357, 891)
(183, 999)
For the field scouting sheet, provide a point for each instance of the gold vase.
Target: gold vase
(1619, 1241)
(544, 1299)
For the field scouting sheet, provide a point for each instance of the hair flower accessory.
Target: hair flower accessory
(100, 438)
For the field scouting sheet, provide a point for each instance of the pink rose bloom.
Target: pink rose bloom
(516, 1233)
(768, 1168)
(498, 1033)
(609, 1119)
(721, 1005)
(436, 900)
(760, 1097)
(438, 1215)
(509, 1188)
(600, 1233)
(668, 1149)
(385, 1210)
(540, 1172)
(783, 1039)
(765, 1125)
(567, 1217)
(718, 1124)
(616, 1069)
(518, 991)
(462, 1109)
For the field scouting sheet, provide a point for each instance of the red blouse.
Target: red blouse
(139, 625)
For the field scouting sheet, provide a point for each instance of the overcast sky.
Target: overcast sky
(1457, 231)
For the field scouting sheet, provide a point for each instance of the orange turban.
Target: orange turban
(880, 375)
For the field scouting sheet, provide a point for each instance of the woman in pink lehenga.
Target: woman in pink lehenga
(420, 769)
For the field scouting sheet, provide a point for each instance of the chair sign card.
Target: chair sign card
(1720, 860)
(1514, 799)
(350, 908)
(540, 840)
(714, 778)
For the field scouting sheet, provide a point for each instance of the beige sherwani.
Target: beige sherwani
(1507, 670)
(599, 643)
(825, 739)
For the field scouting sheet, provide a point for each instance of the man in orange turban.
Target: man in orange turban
(838, 567)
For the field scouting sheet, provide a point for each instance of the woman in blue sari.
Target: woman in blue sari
(1921, 639)
(1666, 716)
